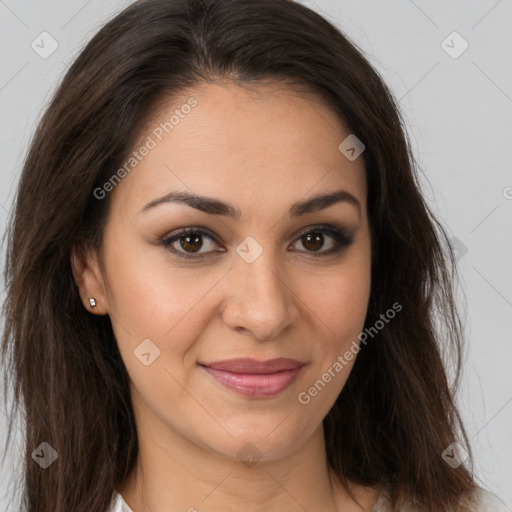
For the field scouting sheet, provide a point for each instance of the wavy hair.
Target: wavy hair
(63, 364)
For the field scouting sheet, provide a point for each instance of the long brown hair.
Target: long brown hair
(396, 414)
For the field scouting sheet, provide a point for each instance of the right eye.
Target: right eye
(187, 242)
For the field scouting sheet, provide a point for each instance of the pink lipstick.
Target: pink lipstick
(252, 378)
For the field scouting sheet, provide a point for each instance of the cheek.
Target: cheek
(338, 302)
(347, 311)
(149, 300)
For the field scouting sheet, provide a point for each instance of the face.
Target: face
(262, 271)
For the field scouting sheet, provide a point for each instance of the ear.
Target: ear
(88, 277)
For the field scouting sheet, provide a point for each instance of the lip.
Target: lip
(255, 379)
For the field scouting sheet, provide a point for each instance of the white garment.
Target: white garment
(487, 502)
(120, 505)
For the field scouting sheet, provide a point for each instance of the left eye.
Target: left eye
(190, 242)
(315, 240)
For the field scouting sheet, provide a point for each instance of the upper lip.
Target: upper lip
(252, 366)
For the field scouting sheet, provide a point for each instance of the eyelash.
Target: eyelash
(342, 240)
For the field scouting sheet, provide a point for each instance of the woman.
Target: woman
(223, 280)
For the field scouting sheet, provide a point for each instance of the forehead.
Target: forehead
(248, 145)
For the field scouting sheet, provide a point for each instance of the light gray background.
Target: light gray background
(459, 114)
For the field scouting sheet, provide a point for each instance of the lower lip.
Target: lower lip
(255, 385)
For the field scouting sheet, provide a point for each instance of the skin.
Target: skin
(260, 150)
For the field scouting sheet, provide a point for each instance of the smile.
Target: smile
(253, 378)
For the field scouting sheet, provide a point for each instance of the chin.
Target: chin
(250, 443)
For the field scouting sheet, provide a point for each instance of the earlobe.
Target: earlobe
(88, 278)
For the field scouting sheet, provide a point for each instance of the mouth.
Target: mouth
(252, 378)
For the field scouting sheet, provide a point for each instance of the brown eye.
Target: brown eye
(313, 241)
(191, 243)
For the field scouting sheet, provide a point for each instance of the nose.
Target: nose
(261, 302)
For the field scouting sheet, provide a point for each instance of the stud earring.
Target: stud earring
(92, 302)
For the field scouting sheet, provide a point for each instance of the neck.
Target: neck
(172, 479)
(173, 473)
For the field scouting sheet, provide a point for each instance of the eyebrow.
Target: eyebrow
(214, 206)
